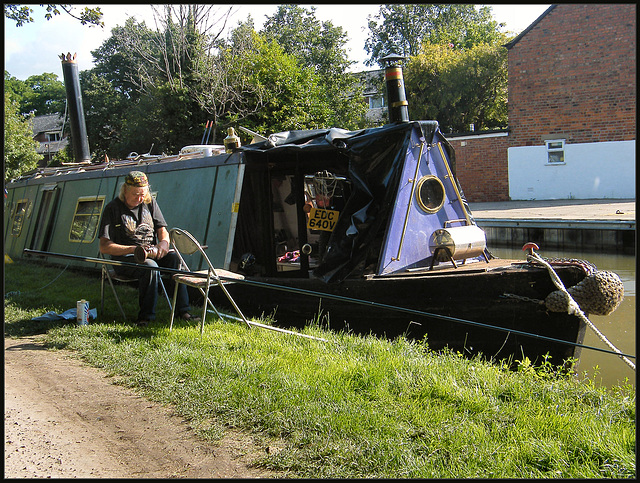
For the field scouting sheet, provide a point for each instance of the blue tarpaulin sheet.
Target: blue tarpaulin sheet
(67, 315)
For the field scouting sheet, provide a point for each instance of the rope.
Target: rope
(574, 308)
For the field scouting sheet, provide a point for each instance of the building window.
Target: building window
(376, 102)
(85, 220)
(555, 151)
(23, 209)
(53, 136)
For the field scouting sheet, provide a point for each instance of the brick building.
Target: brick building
(572, 112)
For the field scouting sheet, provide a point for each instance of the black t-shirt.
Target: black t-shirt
(131, 227)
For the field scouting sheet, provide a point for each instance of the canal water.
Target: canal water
(619, 327)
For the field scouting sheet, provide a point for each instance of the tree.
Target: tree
(40, 94)
(159, 87)
(44, 94)
(122, 61)
(166, 70)
(280, 94)
(404, 28)
(104, 108)
(14, 86)
(316, 44)
(459, 88)
(320, 46)
(20, 154)
(21, 14)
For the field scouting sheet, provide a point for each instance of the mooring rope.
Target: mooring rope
(574, 308)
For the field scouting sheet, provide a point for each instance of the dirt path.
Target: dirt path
(64, 419)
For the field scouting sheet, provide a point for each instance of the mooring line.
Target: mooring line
(574, 308)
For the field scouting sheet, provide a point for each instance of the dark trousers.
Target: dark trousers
(148, 281)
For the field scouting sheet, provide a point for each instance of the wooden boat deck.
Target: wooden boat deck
(447, 268)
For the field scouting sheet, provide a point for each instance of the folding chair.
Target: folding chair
(185, 244)
(109, 274)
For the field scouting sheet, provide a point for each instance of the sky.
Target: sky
(35, 48)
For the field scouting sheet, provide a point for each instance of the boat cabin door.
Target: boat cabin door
(305, 210)
(45, 221)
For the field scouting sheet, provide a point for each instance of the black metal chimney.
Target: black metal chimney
(79, 138)
(397, 98)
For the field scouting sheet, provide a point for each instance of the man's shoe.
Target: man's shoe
(188, 316)
(142, 323)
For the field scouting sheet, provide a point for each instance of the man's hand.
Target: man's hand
(163, 248)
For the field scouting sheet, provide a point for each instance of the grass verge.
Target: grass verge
(351, 407)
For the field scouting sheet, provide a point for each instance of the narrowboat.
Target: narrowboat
(367, 231)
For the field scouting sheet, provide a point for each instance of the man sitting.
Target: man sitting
(134, 219)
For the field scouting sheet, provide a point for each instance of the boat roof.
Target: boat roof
(334, 137)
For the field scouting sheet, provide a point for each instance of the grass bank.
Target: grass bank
(351, 407)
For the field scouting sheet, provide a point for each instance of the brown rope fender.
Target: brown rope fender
(598, 294)
(608, 285)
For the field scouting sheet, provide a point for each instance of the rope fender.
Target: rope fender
(600, 291)
(598, 294)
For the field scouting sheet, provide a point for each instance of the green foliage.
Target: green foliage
(40, 94)
(122, 59)
(21, 14)
(44, 94)
(158, 88)
(14, 86)
(104, 108)
(20, 154)
(63, 156)
(404, 28)
(321, 47)
(458, 88)
(286, 96)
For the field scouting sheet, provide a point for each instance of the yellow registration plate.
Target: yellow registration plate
(322, 219)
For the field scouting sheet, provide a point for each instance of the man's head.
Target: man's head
(135, 189)
(137, 179)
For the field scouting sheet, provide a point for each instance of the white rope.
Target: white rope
(326, 183)
(574, 308)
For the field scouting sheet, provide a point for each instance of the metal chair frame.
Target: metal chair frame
(184, 243)
(110, 275)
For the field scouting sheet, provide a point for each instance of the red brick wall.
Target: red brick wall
(573, 76)
(482, 169)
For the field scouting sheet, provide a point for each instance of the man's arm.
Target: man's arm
(108, 247)
(163, 241)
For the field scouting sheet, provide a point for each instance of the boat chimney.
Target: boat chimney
(79, 139)
(397, 98)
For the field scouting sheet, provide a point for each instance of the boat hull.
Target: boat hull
(464, 310)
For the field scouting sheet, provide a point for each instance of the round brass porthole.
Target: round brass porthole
(430, 193)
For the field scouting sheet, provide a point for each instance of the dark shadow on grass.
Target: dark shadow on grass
(25, 328)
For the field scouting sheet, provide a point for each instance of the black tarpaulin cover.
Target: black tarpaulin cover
(375, 160)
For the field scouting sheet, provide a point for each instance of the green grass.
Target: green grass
(351, 407)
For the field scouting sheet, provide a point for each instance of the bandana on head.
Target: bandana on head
(136, 178)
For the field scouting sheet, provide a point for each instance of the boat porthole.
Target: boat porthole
(430, 193)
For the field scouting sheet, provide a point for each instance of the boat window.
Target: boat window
(85, 219)
(23, 210)
(430, 193)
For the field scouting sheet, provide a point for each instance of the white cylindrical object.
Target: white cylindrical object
(460, 241)
(82, 312)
